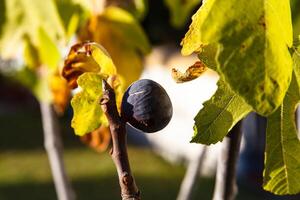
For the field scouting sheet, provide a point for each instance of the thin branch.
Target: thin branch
(54, 148)
(191, 175)
(129, 190)
(225, 187)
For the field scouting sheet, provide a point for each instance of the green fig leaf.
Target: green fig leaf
(282, 161)
(253, 55)
(219, 115)
(282, 153)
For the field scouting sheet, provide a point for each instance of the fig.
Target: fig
(146, 106)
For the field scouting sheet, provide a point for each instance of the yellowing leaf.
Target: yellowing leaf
(87, 65)
(87, 57)
(129, 64)
(60, 92)
(88, 114)
(191, 73)
(102, 57)
(120, 34)
(126, 28)
(253, 39)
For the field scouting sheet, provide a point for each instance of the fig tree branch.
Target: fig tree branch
(54, 148)
(225, 186)
(188, 184)
(129, 190)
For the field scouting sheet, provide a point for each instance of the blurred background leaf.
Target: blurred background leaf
(124, 39)
(26, 19)
(138, 8)
(181, 10)
(295, 5)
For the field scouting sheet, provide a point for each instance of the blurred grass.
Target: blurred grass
(25, 172)
(93, 175)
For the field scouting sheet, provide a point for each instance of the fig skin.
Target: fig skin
(146, 106)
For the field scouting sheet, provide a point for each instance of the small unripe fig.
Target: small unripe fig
(146, 106)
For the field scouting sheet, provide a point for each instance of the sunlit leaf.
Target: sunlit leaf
(253, 39)
(87, 65)
(191, 73)
(282, 157)
(208, 55)
(88, 114)
(219, 115)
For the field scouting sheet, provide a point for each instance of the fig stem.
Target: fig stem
(129, 190)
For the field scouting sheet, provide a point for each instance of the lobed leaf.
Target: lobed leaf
(253, 39)
(282, 161)
(88, 115)
(219, 115)
(87, 64)
(282, 153)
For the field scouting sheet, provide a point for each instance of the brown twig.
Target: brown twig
(129, 190)
(225, 187)
(189, 182)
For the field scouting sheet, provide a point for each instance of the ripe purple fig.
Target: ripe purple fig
(146, 106)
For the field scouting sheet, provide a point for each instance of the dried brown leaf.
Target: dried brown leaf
(191, 73)
(78, 61)
(60, 92)
(98, 140)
